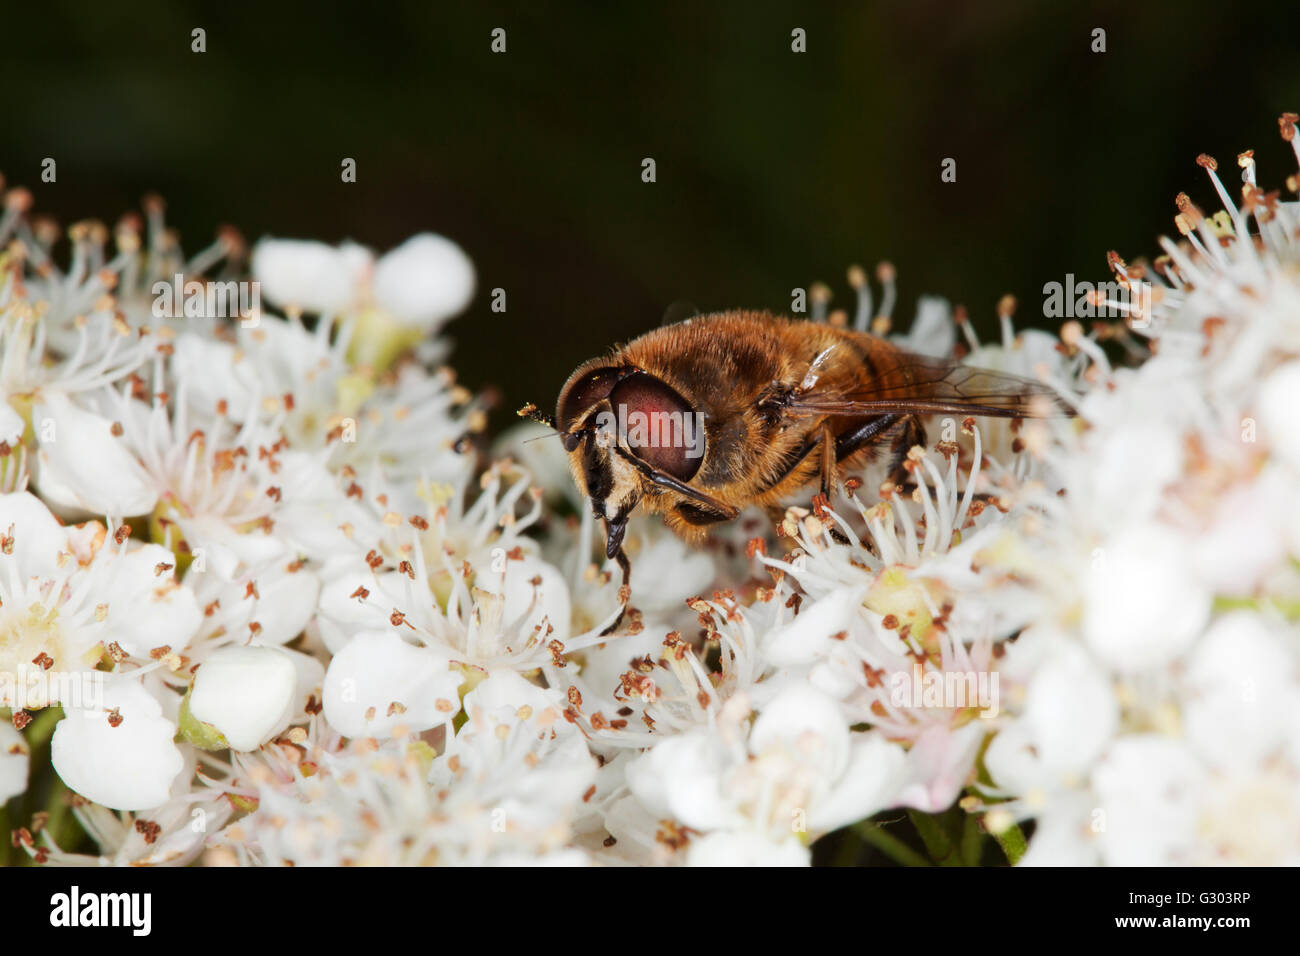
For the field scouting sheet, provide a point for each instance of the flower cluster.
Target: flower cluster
(264, 599)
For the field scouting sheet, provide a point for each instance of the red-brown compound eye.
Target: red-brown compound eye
(579, 395)
(658, 426)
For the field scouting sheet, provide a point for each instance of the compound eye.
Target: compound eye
(578, 396)
(659, 426)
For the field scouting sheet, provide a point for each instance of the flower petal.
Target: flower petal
(246, 693)
(378, 681)
(130, 766)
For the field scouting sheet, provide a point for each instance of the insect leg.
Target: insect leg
(858, 438)
(829, 458)
(912, 432)
(624, 590)
(795, 461)
(828, 478)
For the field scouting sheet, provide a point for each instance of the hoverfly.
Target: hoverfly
(697, 420)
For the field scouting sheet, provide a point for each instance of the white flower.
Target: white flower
(505, 791)
(331, 647)
(1242, 693)
(534, 595)
(378, 681)
(406, 294)
(14, 760)
(424, 281)
(121, 755)
(797, 773)
(450, 580)
(744, 849)
(70, 595)
(1069, 716)
(1148, 787)
(1144, 606)
(932, 331)
(311, 275)
(172, 834)
(1161, 690)
(245, 693)
(1279, 397)
(69, 343)
(83, 466)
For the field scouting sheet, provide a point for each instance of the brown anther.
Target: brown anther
(557, 653)
(821, 505)
(148, 829)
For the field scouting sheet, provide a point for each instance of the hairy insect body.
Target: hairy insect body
(779, 404)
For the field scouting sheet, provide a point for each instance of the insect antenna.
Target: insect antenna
(533, 413)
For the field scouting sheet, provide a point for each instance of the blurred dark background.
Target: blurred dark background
(774, 168)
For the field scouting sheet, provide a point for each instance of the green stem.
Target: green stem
(1288, 608)
(41, 728)
(849, 850)
(1012, 841)
(972, 840)
(888, 844)
(937, 842)
(57, 806)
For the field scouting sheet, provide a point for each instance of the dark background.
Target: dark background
(774, 168)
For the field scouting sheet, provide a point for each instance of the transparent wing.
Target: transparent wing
(918, 385)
